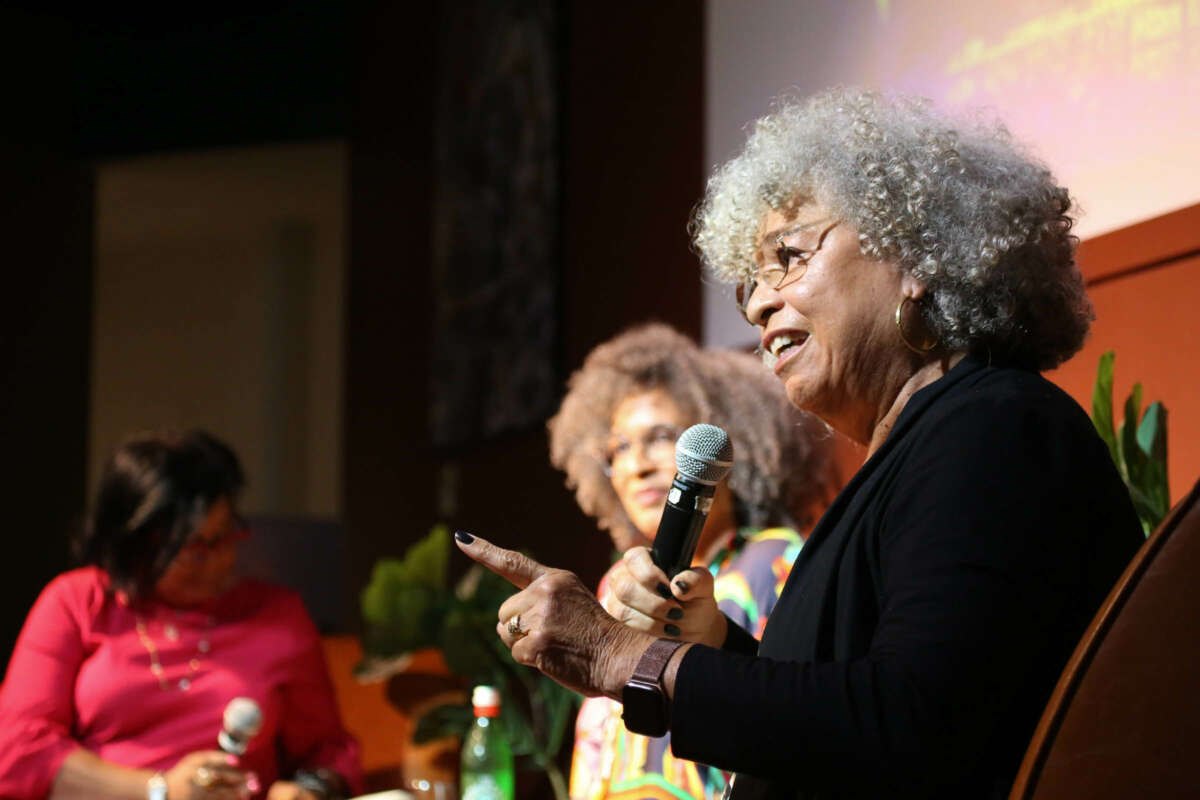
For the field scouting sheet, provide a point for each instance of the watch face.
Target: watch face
(645, 709)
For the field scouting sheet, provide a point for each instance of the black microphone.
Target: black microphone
(240, 723)
(703, 456)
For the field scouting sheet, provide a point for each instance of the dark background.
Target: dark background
(83, 86)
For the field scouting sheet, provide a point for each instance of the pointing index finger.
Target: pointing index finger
(517, 568)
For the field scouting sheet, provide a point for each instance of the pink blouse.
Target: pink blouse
(83, 676)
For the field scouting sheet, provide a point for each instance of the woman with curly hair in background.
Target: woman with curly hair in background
(909, 276)
(615, 438)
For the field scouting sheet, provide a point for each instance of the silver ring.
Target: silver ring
(204, 777)
(514, 627)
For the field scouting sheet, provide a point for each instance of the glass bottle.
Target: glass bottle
(487, 762)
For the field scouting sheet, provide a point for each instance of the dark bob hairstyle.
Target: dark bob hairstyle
(156, 489)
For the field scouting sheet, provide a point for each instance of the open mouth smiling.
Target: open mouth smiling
(781, 346)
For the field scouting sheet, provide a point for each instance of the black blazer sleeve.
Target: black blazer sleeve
(738, 639)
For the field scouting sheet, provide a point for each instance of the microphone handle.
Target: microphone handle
(230, 744)
(679, 530)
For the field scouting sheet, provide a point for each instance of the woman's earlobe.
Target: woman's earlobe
(912, 288)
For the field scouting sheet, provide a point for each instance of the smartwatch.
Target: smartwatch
(646, 706)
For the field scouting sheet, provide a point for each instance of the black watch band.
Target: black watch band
(646, 706)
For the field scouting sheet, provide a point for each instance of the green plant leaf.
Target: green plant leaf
(1102, 405)
(520, 732)
(407, 605)
(1135, 460)
(404, 618)
(560, 704)
(466, 645)
(451, 719)
(1157, 490)
(1138, 446)
(1152, 440)
(404, 603)
(1146, 509)
(1148, 431)
(1122, 467)
(375, 598)
(425, 561)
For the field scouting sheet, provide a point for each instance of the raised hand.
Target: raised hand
(556, 625)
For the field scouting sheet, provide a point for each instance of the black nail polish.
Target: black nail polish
(663, 591)
(683, 586)
(672, 630)
(675, 613)
(464, 537)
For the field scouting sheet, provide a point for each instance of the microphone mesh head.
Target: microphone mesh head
(242, 718)
(704, 454)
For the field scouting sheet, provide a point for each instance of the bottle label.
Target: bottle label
(482, 787)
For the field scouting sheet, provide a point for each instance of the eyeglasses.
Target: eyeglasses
(790, 261)
(657, 443)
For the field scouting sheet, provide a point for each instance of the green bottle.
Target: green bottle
(487, 762)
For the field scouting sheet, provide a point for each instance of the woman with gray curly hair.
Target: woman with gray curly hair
(908, 277)
(614, 436)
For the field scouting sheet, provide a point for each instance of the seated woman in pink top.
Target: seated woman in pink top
(120, 677)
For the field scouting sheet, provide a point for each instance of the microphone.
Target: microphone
(703, 456)
(240, 723)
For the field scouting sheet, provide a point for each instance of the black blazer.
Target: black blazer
(930, 612)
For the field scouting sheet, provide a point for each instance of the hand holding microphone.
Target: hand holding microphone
(200, 775)
(655, 590)
(212, 773)
(578, 644)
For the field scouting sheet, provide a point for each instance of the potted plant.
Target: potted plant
(408, 605)
(1138, 446)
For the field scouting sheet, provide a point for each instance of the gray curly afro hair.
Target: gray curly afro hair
(783, 466)
(981, 224)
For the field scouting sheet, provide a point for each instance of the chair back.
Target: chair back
(1124, 719)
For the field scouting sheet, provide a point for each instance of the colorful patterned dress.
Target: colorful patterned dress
(609, 762)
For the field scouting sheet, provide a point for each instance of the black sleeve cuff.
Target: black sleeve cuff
(738, 639)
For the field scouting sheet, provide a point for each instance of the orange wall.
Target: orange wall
(1144, 282)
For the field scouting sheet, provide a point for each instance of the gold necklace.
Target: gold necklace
(172, 632)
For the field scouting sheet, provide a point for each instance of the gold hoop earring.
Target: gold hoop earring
(926, 345)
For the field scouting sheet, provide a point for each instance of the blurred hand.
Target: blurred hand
(563, 630)
(689, 611)
(207, 775)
